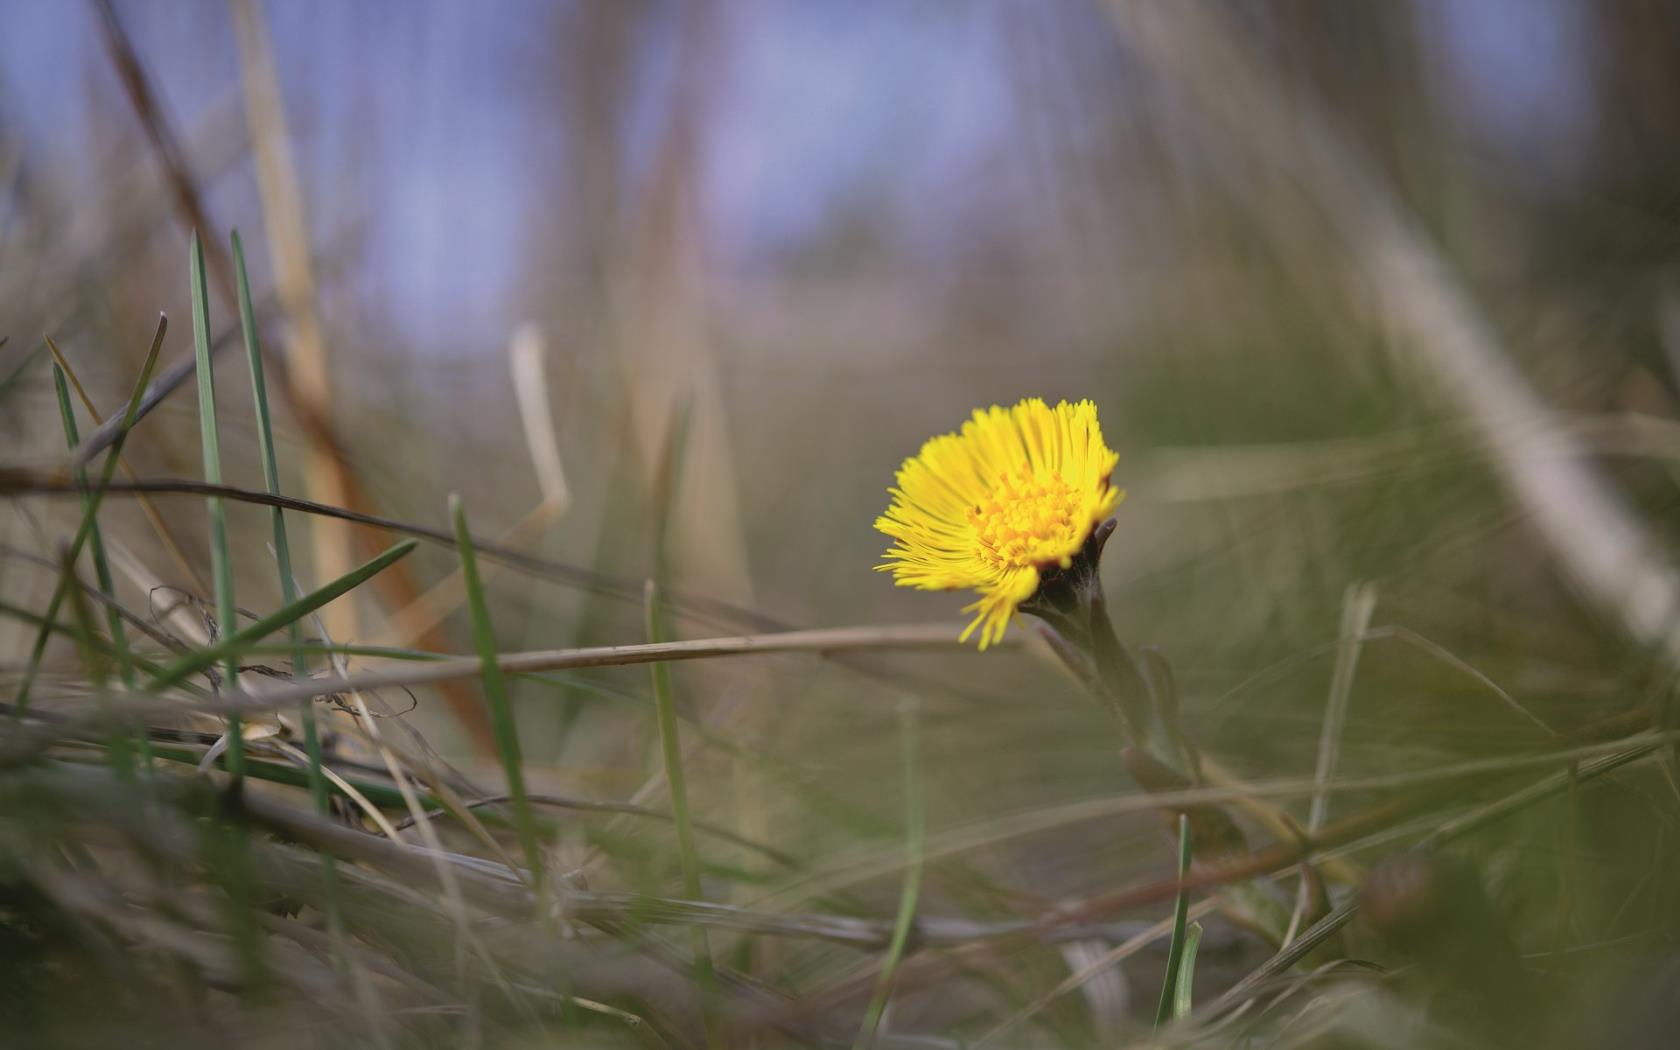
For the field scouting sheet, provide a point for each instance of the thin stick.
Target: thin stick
(819, 640)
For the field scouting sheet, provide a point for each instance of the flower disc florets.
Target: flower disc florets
(1014, 494)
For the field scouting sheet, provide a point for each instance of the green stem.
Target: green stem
(221, 566)
(495, 691)
(1181, 915)
(915, 833)
(670, 742)
(229, 646)
(288, 580)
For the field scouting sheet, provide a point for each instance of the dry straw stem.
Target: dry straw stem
(527, 360)
(288, 239)
(526, 354)
(661, 332)
(1410, 291)
(1358, 605)
(821, 640)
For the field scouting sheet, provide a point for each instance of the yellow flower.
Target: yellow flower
(1015, 494)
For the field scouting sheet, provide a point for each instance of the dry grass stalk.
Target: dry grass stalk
(287, 224)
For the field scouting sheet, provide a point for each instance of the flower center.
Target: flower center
(1026, 520)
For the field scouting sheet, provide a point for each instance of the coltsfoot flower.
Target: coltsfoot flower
(993, 508)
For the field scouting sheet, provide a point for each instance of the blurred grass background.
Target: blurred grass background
(763, 250)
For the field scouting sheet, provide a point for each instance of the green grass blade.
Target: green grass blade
(226, 854)
(495, 691)
(670, 742)
(1186, 972)
(277, 519)
(288, 580)
(228, 647)
(121, 759)
(221, 565)
(915, 834)
(90, 513)
(96, 542)
(1181, 913)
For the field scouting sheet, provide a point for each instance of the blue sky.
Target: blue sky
(435, 121)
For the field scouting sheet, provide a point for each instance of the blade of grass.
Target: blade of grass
(307, 376)
(288, 583)
(96, 542)
(277, 519)
(227, 647)
(915, 833)
(1181, 915)
(102, 572)
(226, 854)
(1358, 604)
(90, 511)
(1186, 972)
(147, 506)
(671, 748)
(495, 692)
(1359, 601)
(221, 566)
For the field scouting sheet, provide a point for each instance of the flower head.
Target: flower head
(1015, 494)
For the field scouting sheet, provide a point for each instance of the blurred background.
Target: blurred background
(1366, 294)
